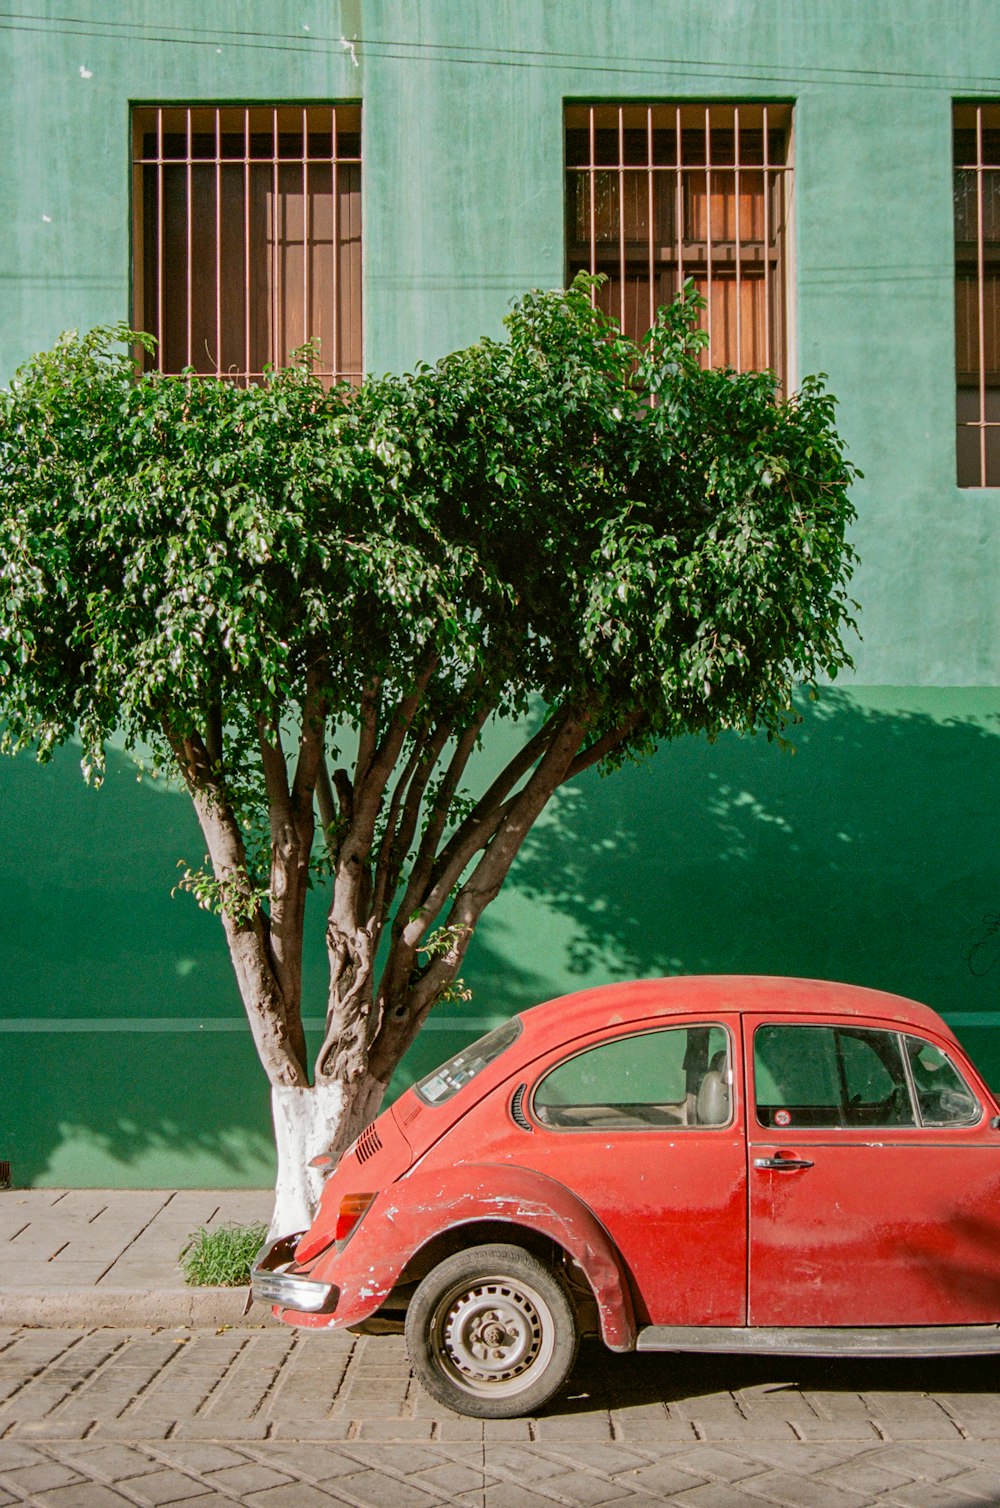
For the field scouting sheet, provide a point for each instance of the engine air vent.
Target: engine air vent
(369, 1142)
(517, 1108)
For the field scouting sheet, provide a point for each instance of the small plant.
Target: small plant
(221, 1258)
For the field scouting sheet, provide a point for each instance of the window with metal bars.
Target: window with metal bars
(247, 236)
(977, 293)
(657, 194)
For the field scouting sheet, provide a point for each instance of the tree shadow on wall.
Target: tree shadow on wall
(89, 935)
(867, 856)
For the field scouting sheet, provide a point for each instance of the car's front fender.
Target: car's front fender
(416, 1209)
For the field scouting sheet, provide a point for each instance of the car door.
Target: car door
(646, 1127)
(873, 1179)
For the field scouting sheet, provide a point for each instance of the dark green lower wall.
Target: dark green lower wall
(869, 855)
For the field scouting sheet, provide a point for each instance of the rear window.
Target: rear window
(465, 1065)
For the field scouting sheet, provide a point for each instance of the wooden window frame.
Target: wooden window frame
(246, 230)
(976, 163)
(706, 191)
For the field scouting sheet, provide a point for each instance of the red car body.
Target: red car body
(828, 1192)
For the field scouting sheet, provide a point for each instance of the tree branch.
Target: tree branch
(404, 1002)
(386, 847)
(325, 802)
(312, 736)
(478, 826)
(489, 874)
(368, 734)
(345, 794)
(272, 758)
(277, 1031)
(437, 819)
(420, 907)
(604, 745)
(353, 880)
(385, 756)
(396, 856)
(213, 734)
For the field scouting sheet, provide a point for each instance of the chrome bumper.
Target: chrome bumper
(271, 1283)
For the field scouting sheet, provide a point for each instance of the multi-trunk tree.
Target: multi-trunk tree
(310, 606)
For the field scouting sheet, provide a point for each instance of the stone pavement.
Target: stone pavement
(97, 1410)
(109, 1256)
(100, 1417)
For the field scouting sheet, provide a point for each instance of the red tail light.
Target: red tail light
(352, 1207)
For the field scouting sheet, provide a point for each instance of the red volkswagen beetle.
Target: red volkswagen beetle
(692, 1164)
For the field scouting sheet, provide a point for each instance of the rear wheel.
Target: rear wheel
(491, 1332)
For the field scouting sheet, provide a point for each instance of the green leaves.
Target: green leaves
(560, 516)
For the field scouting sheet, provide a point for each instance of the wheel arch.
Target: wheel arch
(540, 1215)
(484, 1232)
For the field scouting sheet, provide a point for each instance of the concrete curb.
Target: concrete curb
(131, 1308)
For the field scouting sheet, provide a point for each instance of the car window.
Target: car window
(830, 1076)
(672, 1078)
(943, 1096)
(465, 1065)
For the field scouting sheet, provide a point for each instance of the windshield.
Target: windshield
(465, 1065)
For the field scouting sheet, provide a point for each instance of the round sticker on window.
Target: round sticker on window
(782, 1118)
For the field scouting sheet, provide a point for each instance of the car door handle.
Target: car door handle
(782, 1164)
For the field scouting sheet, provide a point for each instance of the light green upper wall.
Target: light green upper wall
(464, 206)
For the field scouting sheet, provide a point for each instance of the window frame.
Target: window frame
(220, 160)
(579, 1050)
(978, 263)
(800, 1130)
(495, 1044)
(977, 1120)
(686, 118)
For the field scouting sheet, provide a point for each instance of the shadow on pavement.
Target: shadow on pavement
(603, 1380)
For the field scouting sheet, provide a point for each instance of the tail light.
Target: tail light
(352, 1207)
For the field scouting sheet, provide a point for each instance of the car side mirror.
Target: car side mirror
(995, 1123)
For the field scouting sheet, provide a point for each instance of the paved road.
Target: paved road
(90, 1418)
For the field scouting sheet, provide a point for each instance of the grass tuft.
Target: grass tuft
(221, 1258)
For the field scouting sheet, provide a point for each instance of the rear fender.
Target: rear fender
(415, 1210)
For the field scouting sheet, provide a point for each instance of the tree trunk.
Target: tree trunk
(306, 1122)
(323, 1119)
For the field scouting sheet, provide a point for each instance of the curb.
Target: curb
(131, 1308)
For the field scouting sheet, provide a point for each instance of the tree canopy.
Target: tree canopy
(310, 604)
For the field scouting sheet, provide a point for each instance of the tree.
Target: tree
(310, 605)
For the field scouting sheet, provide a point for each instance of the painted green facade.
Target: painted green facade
(868, 856)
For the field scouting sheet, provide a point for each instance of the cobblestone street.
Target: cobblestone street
(90, 1418)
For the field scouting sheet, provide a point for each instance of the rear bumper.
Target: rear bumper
(272, 1283)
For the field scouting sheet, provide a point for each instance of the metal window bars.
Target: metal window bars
(977, 293)
(247, 236)
(657, 194)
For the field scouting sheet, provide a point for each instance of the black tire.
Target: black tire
(491, 1332)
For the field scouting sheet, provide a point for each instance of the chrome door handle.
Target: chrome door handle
(782, 1164)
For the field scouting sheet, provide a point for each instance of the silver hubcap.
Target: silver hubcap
(494, 1335)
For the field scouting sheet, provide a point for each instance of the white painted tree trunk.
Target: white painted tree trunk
(306, 1123)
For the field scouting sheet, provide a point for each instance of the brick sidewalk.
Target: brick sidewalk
(110, 1256)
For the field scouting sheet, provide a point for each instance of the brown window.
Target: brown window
(977, 293)
(657, 194)
(247, 236)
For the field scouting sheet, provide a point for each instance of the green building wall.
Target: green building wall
(869, 855)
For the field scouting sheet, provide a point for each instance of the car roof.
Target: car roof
(643, 1000)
